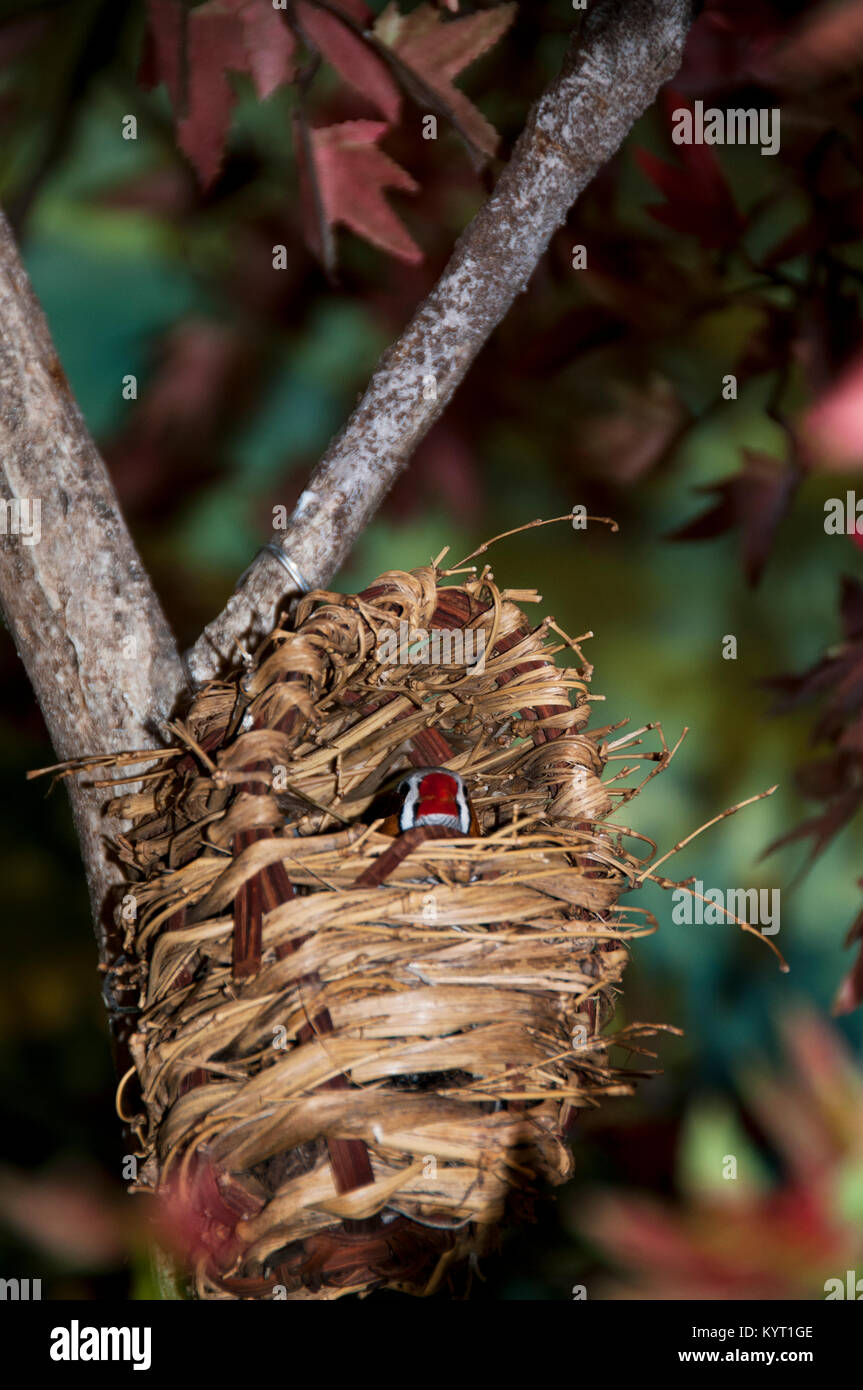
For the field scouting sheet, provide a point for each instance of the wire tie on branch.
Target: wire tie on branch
(273, 548)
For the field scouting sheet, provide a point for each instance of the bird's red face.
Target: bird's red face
(433, 796)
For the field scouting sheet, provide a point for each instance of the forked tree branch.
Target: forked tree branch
(610, 75)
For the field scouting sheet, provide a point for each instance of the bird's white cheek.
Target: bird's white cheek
(407, 814)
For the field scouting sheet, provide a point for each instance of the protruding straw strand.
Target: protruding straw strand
(715, 821)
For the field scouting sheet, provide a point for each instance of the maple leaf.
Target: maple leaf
(778, 1239)
(431, 52)
(836, 678)
(354, 61)
(218, 37)
(350, 175)
(698, 200)
(821, 829)
(166, 35)
(268, 43)
(756, 499)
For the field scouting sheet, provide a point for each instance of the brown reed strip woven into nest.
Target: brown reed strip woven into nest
(345, 1087)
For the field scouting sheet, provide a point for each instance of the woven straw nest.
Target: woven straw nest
(347, 1085)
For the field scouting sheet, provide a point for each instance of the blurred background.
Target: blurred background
(603, 387)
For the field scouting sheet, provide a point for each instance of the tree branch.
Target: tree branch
(85, 620)
(610, 76)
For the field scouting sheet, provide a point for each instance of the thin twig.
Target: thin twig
(731, 811)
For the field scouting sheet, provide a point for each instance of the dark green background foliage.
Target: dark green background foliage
(601, 387)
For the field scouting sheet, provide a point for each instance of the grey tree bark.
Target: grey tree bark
(83, 614)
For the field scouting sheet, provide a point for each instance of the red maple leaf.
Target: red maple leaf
(431, 52)
(698, 200)
(219, 37)
(351, 174)
(354, 60)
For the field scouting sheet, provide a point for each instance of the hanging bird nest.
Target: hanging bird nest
(358, 1053)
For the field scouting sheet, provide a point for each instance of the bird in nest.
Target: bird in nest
(432, 796)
